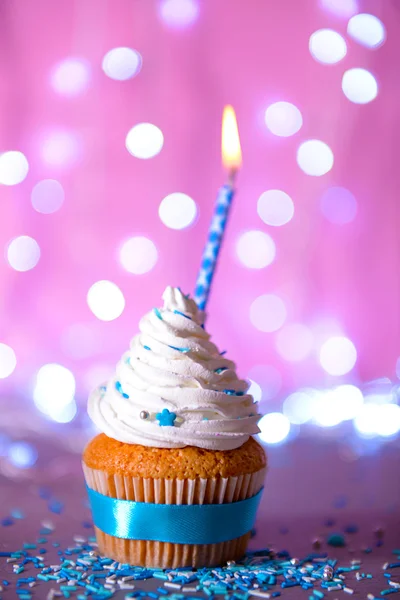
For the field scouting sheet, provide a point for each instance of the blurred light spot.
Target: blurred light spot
(367, 29)
(177, 210)
(60, 149)
(338, 355)
(4, 444)
(63, 414)
(105, 300)
(122, 63)
(138, 255)
(14, 167)
(275, 207)
(388, 420)
(338, 205)
(348, 400)
(268, 379)
(299, 406)
(268, 313)
(144, 140)
(365, 421)
(179, 13)
(70, 77)
(315, 157)
(54, 390)
(255, 391)
(47, 196)
(359, 86)
(283, 119)
(23, 253)
(22, 455)
(398, 367)
(294, 342)
(255, 249)
(327, 46)
(275, 428)
(8, 361)
(325, 410)
(340, 8)
(80, 340)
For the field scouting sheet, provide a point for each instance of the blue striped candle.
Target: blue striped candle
(232, 159)
(213, 245)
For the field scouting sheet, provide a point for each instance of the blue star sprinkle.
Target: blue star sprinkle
(166, 418)
(119, 389)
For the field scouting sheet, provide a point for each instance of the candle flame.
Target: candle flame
(231, 152)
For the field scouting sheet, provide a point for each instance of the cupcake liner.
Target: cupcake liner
(173, 491)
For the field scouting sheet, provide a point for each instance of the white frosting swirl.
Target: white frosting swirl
(172, 366)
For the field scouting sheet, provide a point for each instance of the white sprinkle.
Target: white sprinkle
(335, 588)
(189, 588)
(370, 597)
(348, 590)
(127, 578)
(61, 580)
(1, 589)
(394, 584)
(385, 566)
(260, 594)
(55, 568)
(172, 586)
(111, 579)
(79, 539)
(72, 582)
(48, 525)
(10, 560)
(108, 586)
(31, 584)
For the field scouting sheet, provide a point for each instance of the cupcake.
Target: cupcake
(175, 477)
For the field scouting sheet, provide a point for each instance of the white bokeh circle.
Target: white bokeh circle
(144, 140)
(70, 77)
(177, 210)
(338, 355)
(275, 427)
(275, 207)
(327, 46)
(255, 249)
(105, 300)
(8, 360)
(47, 196)
(294, 342)
(268, 313)
(14, 167)
(138, 255)
(359, 86)
(23, 253)
(122, 63)
(315, 158)
(367, 30)
(283, 119)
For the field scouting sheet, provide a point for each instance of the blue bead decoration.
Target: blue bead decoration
(119, 389)
(166, 418)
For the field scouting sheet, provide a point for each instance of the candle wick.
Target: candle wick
(232, 172)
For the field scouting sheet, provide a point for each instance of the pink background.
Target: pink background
(249, 54)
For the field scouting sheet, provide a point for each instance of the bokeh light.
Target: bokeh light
(255, 249)
(54, 388)
(60, 149)
(349, 401)
(14, 167)
(255, 390)
(325, 410)
(315, 158)
(283, 119)
(299, 406)
(70, 77)
(268, 313)
(294, 342)
(138, 255)
(8, 361)
(387, 422)
(122, 63)
(23, 253)
(338, 355)
(63, 414)
(359, 86)
(327, 46)
(338, 205)
(177, 210)
(275, 207)
(144, 140)
(179, 13)
(22, 455)
(367, 30)
(47, 196)
(275, 427)
(105, 300)
(366, 420)
(340, 8)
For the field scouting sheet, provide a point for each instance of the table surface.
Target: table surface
(313, 489)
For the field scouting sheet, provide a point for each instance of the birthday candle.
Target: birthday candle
(232, 160)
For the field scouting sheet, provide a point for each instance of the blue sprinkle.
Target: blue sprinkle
(7, 522)
(147, 348)
(351, 528)
(87, 524)
(157, 313)
(17, 514)
(220, 370)
(205, 419)
(119, 389)
(223, 352)
(336, 540)
(233, 393)
(56, 506)
(178, 312)
(180, 349)
(166, 418)
(45, 493)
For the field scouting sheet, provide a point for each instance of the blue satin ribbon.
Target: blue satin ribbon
(178, 524)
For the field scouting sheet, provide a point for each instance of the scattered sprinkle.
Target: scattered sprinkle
(157, 313)
(336, 540)
(119, 389)
(166, 418)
